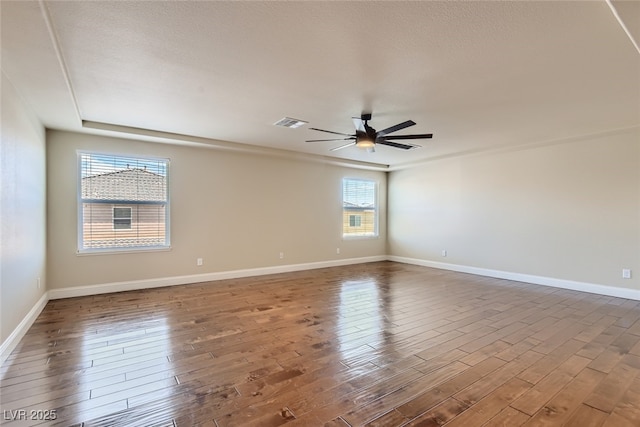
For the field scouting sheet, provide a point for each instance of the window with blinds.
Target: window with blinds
(123, 203)
(359, 208)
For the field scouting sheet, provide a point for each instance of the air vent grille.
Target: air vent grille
(288, 122)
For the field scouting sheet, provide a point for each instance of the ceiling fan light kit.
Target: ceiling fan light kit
(365, 143)
(367, 137)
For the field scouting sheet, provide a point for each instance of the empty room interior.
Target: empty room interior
(379, 213)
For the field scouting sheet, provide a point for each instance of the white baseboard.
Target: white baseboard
(79, 291)
(592, 288)
(12, 340)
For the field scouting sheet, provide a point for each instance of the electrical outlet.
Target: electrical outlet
(281, 255)
(444, 252)
(626, 273)
(338, 251)
(38, 282)
(199, 262)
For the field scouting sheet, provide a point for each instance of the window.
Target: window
(122, 218)
(123, 203)
(359, 208)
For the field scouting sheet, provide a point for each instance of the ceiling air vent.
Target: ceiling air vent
(288, 122)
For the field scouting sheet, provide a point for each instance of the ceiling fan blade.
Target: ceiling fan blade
(329, 131)
(325, 140)
(397, 145)
(396, 128)
(359, 124)
(417, 136)
(343, 146)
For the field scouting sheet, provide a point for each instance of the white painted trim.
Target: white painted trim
(120, 131)
(12, 340)
(55, 42)
(622, 24)
(592, 288)
(104, 288)
(510, 147)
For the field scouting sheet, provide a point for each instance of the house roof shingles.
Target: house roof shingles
(356, 206)
(127, 184)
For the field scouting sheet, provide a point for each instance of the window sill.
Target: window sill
(360, 237)
(112, 251)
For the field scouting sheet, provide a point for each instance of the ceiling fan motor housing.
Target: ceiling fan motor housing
(367, 137)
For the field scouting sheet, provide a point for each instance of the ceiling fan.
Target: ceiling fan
(367, 137)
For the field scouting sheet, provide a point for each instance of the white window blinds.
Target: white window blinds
(359, 208)
(123, 202)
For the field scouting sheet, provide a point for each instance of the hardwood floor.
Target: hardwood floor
(380, 344)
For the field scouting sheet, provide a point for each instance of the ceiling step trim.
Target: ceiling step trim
(58, 51)
(120, 131)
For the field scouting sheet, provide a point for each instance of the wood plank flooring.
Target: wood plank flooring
(379, 344)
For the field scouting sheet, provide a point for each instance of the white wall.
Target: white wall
(22, 211)
(236, 211)
(569, 210)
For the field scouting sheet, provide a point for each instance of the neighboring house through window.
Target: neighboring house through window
(359, 208)
(123, 203)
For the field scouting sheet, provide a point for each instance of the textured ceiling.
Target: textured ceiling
(478, 75)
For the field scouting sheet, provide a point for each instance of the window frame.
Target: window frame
(346, 235)
(166, 246)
